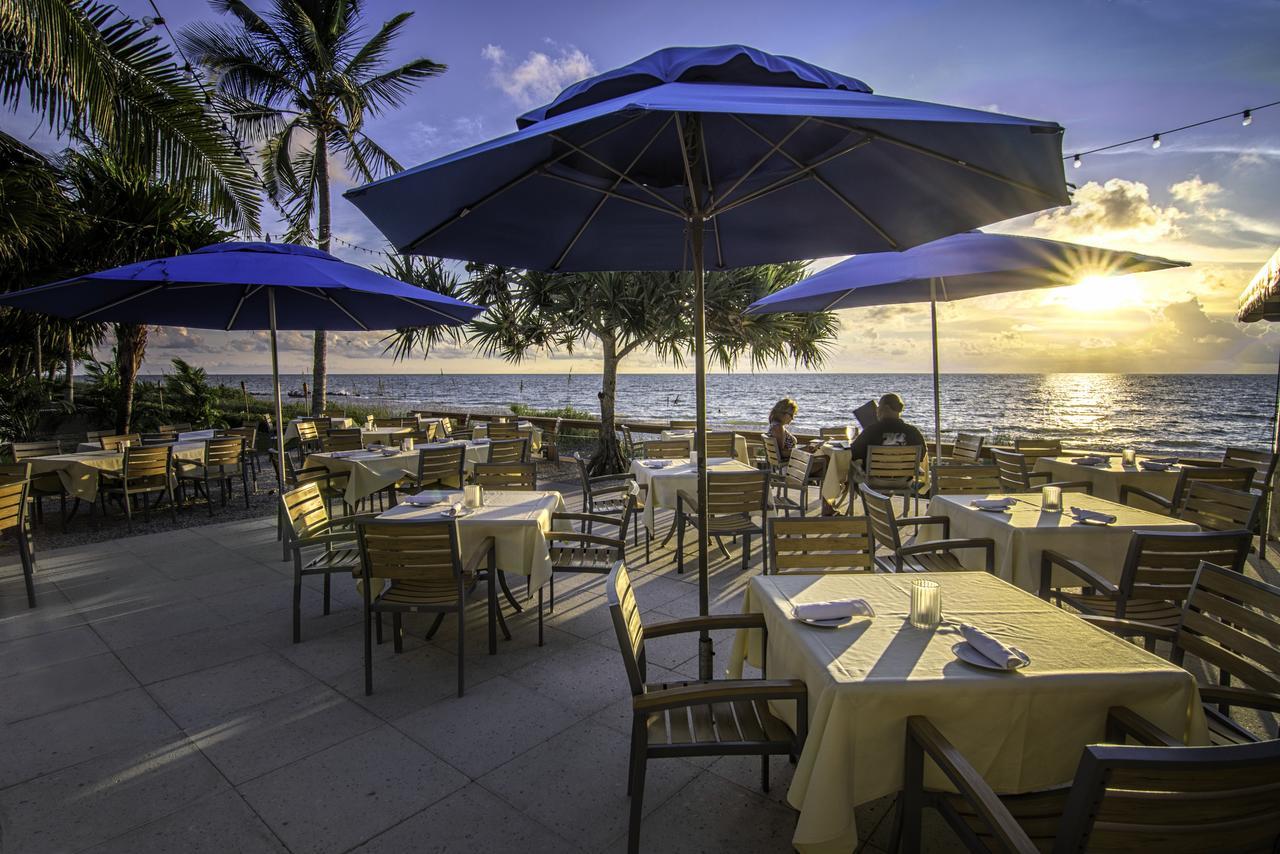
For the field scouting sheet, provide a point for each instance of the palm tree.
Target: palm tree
(94, 73)
(298, 81)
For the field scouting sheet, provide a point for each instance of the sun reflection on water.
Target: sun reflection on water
(1079, 401)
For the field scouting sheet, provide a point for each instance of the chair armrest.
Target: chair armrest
(969, 783)
(482, 551)
(1247, 697)
(1036, 475)
(1123, 721)
(917, 521)
(1127, 490)
(584, 538)
(347, 538)
(1049, 559)
(711, 622)
(1067, 485)
(687, 498)
(720, 691)
(353, 519)
(1129, 628)
(594, 518)
(948, 545)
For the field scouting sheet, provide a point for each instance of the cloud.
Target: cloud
(1117, 210)
(1194, 190)
(540, 77)
(429, 139)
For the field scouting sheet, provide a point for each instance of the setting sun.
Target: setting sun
(1098, 293)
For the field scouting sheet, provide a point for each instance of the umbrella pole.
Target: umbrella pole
(275, 387)
(705, 649)
(937, 395)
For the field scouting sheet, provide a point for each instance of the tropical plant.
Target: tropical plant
(300, 80)
(190, 396)
(93, 72)
(25, 402)
(429, 274)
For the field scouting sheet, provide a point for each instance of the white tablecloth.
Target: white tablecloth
(676, 475)
(1108, 479)
(79, 472)
(836, 479)
(291, 431)
(1023, 532)
(526, 430)
(517, 521)
(1022, 731)
(371, 471)
(739, 443)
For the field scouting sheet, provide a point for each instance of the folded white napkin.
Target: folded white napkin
(1094, 460)
(340, 455)
(1081, 515)
(457, 508)
(834, 610)
(1172, 461)
(993, 503)
(390, 452)
(999, 654)
(656, 464)
(428, 498)
(1156, 465)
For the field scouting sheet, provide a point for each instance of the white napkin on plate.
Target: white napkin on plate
(834, 610)
(1155, 465)
(1093, 460)
(1169, 461)
(429, 498)
(656, 464)
(993, 503)
(999, 654)
(1081, 515)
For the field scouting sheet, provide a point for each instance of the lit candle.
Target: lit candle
(1129, 455)
(926, 603)
(473, 495)
(1051, 499)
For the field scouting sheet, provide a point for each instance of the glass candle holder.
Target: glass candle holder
(406, 444)
(1129, 456)
(693, 458)
(926, 603)
(473, 495)
(1051, 499)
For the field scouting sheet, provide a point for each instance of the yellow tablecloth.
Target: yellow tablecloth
(526, 430)
(291, 431)
(79, 472)
(517, 521)
(739, 443)
(1022, 731)
(370, 471)
(1023, 532)
(676, 475)
(385, 435)
(1108, 479)
(836, 479)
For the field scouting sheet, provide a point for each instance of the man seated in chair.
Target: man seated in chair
(889, 429)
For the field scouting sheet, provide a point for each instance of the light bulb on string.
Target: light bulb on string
(1155, 141)
(1246, 118)
(1075, 161)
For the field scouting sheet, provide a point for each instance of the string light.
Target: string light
(1075, 161)
(1155, 141)
(1245, 116)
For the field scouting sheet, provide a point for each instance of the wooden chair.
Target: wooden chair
(461, 434)
(1124, 798)
(507, 476)
(585, 550)
(1231, 477)
(439, 467)
(342, 440)
(835, 544)
(1154, 581)
(114, 441)
(1263, 464)
(802, 471)
(756, 454)
(843, 433)
(967, 448)
(249, 435)
(721, 445)
(772, 457)
(966, 479)
(308, 438)
(912, 555)
(426, 573)
(320, 544)
(161, 438)
(14, 523)
(1016, 475)
(666, 449)
(610, 495)
(332, 486)
(426, 433)
(504, 451)
(394, 422)
(733, 499)
(43, 485)
(93, 437)
(1230, 623)
(1038, 447)
(147, 471)
(181, 427)
(634, 449)
(222, 463)
(894, 470)
(502, 431)
(683, 424)
(1217, 508)
(721, 717)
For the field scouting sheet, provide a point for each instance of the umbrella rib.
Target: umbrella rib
(688, 168)
(249, 290)
(826, 185)
(529, 173)
(787, 181)
(609, 193)
(342, 308)
(453, 321)
(622, 176)
(775, 148)
(121, 301)
(954, 161)
(600, 204)
(706, 164)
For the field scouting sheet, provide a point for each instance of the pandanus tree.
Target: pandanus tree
(300, 80)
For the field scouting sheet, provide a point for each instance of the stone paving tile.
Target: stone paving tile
(201, 699)
(53, 611)
(147, 622)
(59, 686)
(216, 824)
(32, 653)
(175, 656)
(351, 792)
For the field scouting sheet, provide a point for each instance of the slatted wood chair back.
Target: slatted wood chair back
(113, 442)
(629, 442)
(441, 467)
(342, 440)
(308, 431)
(881, 520)
(842, 433)
(966, 479)
(180, 427)
(13, 505)
(967, 448)
(503, 430)
(162, 438)
(626, 622)
(306, 510)
(801, 468)
(427, 432)
(1175, 800)
(1015, 475)
(461, 434)
(224, 452)
(446, 426)
(394, 422)
(1262, 462)
(737, 492)
(249, 433)
(420, 555)
(1038, 447)
(893, 462)
(813, 545)
(147, 466)
(1231, 477)
(1163, 566)
(755, 448)
(771, 452)
(26, 450)
(507, 476)
(721, 445)
(683, 424)
(1232, 622)
(14, 472)
(508, 450)
(1217, 508)
(94, 435)
(666, 449)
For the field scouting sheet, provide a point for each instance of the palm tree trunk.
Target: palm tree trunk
(131, 346)
(39, 350)
(71, 367)
(320, 355)
(608, 458)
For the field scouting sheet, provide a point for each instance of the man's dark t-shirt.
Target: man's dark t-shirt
(886, 431)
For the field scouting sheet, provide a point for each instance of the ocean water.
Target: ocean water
(1199, 413)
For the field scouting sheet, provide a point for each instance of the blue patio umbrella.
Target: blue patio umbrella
(759, 158)
(243, 286)
(959, 267)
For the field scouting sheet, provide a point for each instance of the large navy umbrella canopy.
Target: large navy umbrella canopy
(964, 265)
(224, 286)
(787, 160)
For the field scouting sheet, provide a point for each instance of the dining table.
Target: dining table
(369, 471)
(1021, 729)
(739, 443)
(524, 428)
(1157, 475)
(1025, 529)
(79, 472)
(665, 479)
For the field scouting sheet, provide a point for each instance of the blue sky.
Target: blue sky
(1105, 70)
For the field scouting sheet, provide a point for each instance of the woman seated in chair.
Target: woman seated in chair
(782, 414)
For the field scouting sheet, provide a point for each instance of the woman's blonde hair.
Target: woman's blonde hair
(785, 405)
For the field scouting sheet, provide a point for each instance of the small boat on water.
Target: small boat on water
(293, 392)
